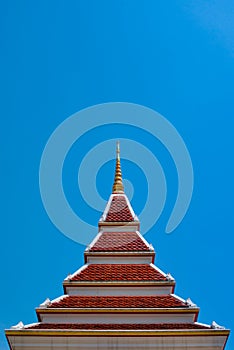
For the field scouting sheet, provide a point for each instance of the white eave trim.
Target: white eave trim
(158, 270)
(188, 302)
(69, 277)
(135, 218)
(150, 246)
(96, 238)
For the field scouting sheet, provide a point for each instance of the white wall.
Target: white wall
(118, 318)
(118, 291)
(113, 343)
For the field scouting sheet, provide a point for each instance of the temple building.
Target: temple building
(119, 299)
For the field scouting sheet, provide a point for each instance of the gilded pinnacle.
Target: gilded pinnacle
(118, 182)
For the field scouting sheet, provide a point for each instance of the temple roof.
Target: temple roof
(119, 290)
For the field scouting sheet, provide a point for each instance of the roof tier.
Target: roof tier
(119, 241)
(118, 209)
(84, 302)
(119, 272)
(103, 326)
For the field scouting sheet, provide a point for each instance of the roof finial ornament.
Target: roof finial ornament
(118, 182)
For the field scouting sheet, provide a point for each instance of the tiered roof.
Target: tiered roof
(118, 292)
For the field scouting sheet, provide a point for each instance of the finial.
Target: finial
(118, 149)
(118, 182)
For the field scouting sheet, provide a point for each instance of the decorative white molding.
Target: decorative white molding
(190, 303)
(70, 276)
(215, 325)
(45, 303)
(19, 325)
(151, 247)
(169, 277)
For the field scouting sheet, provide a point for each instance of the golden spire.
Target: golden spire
(118, 182)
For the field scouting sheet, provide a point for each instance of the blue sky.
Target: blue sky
(59, 57)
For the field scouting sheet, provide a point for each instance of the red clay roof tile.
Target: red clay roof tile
(119, 241)
(119, 272)
(100, 326)
(119, 210)
(159, 301)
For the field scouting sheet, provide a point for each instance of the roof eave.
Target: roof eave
(67, 310)
(119, 223)
(180, 332)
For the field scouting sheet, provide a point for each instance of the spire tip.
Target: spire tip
(118, 182)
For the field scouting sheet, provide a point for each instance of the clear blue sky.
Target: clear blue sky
(58, 57)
